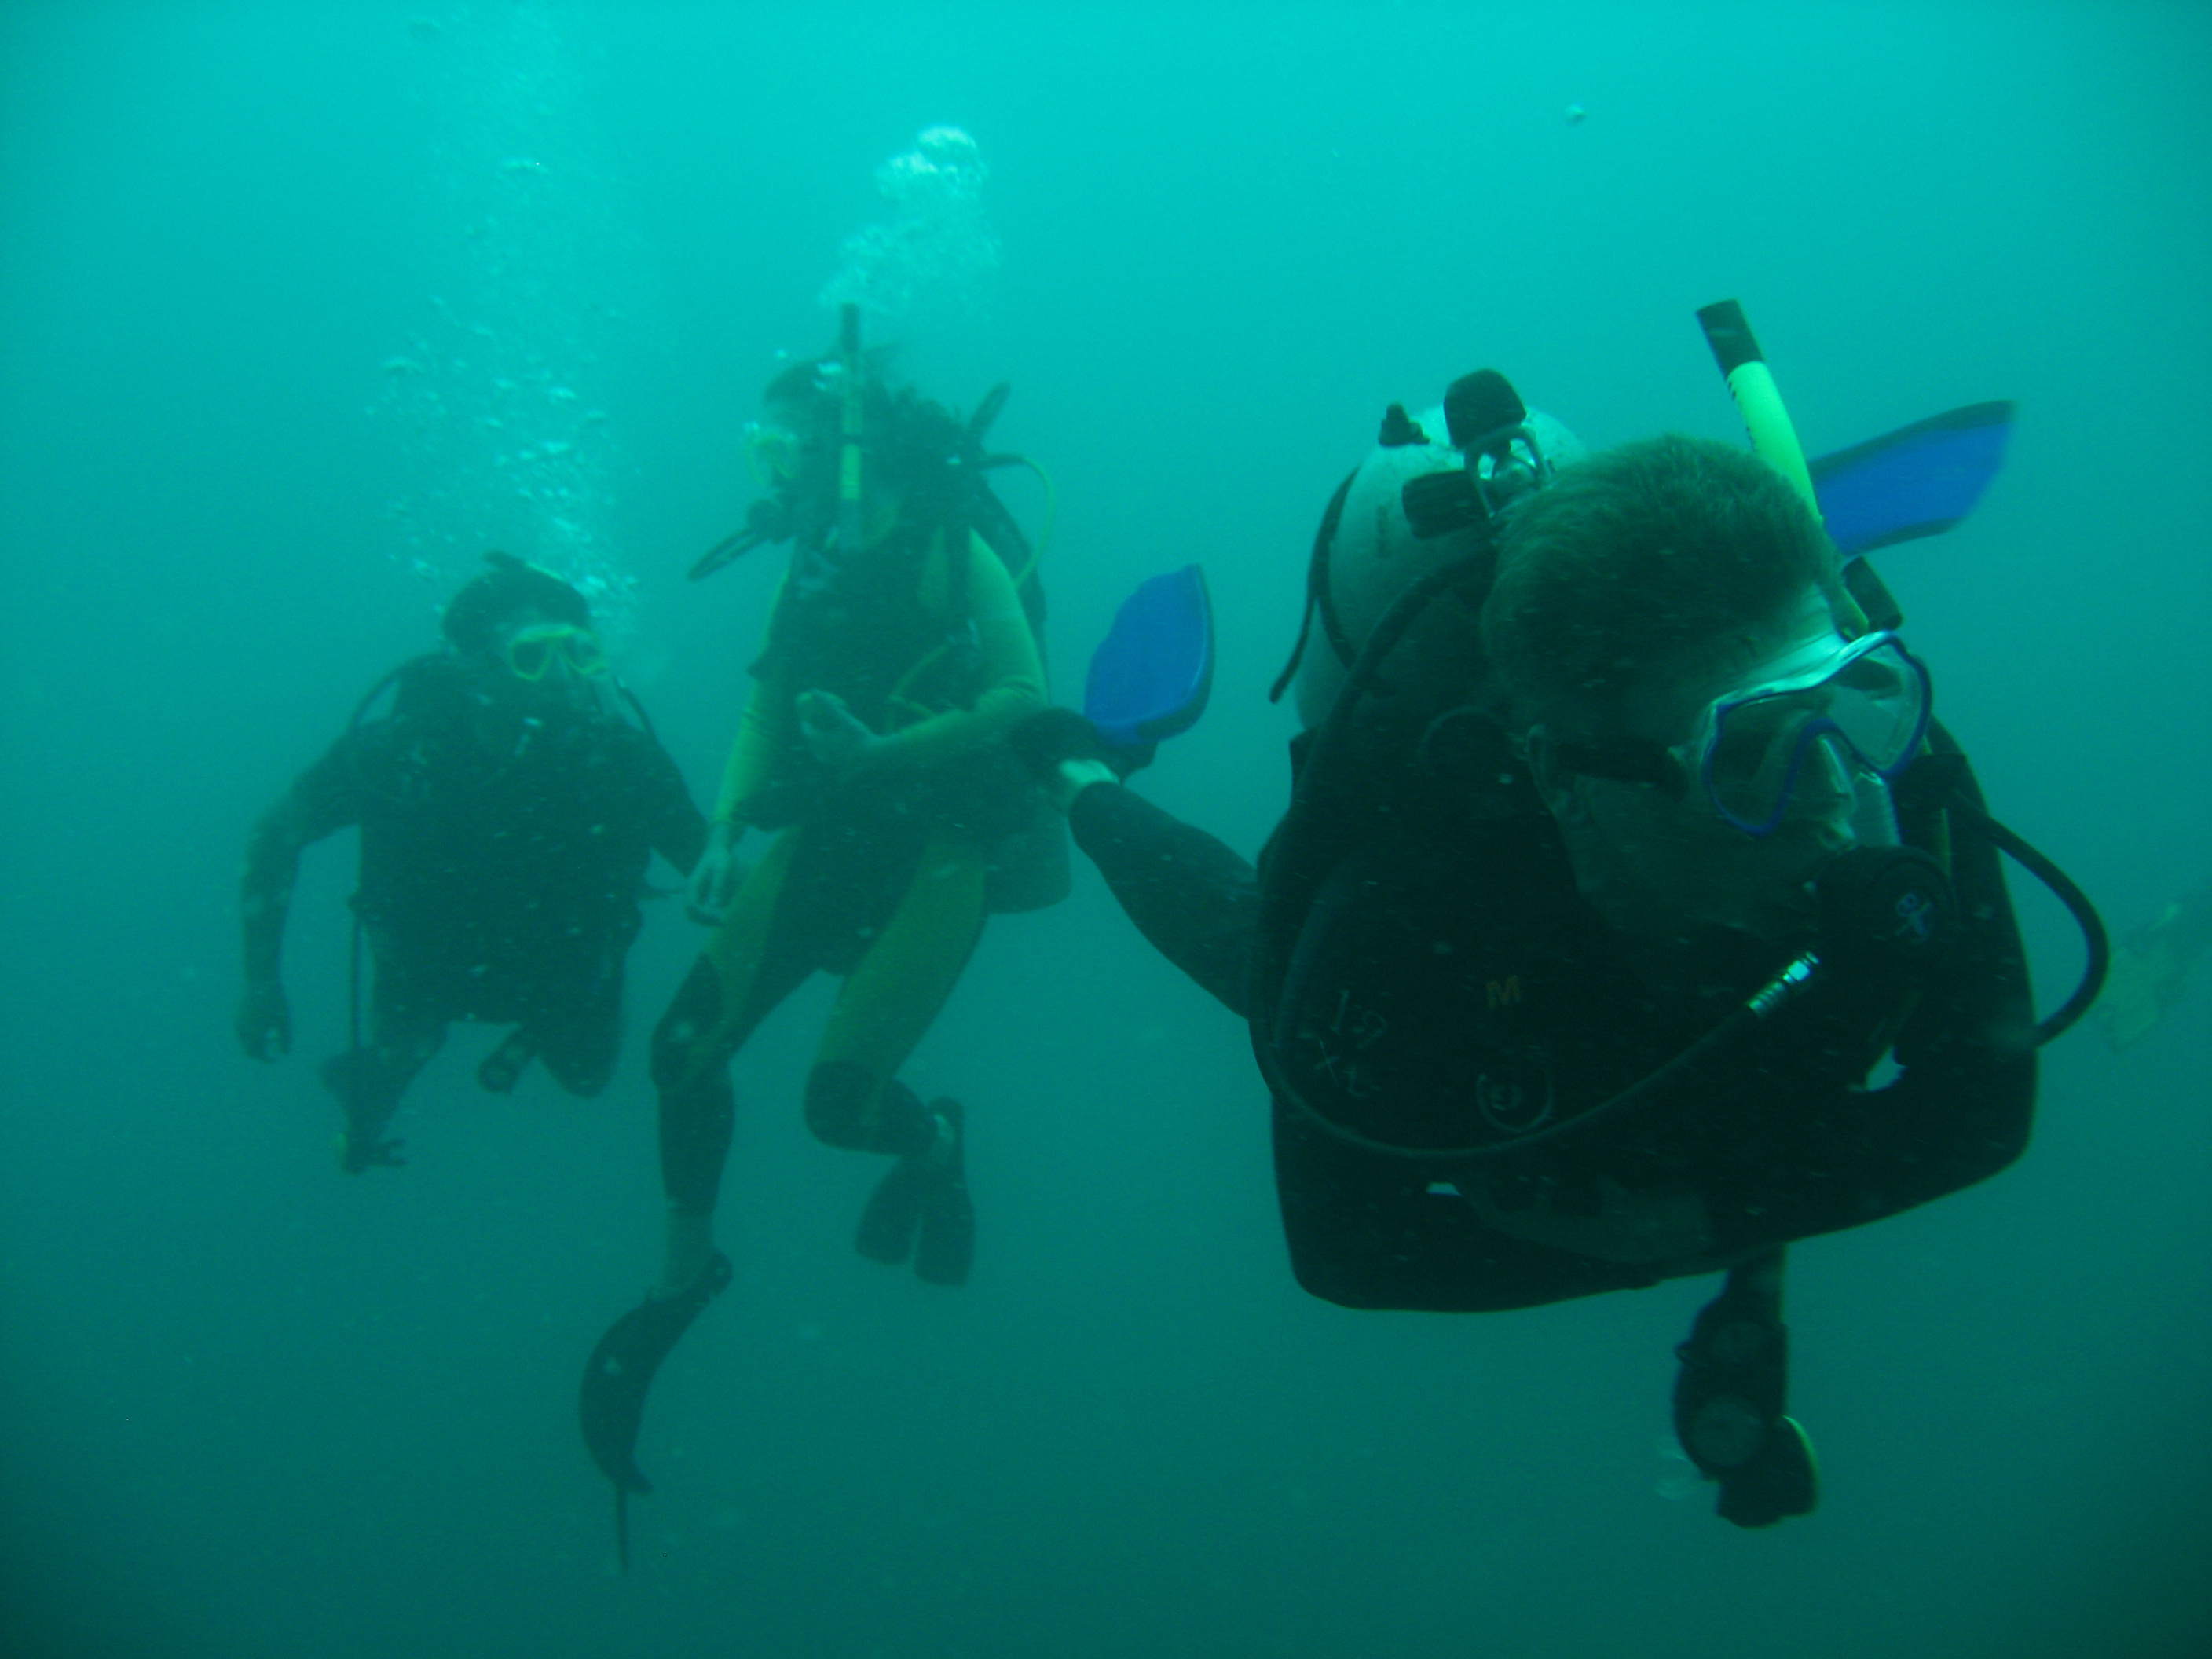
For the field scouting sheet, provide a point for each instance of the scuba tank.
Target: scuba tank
(1421, 499)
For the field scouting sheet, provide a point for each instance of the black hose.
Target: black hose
(2094, 938)
(1634, 1095)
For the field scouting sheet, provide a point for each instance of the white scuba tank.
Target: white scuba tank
(1375, 555)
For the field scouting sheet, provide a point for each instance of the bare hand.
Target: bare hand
(835, 735)
(1649, 1225)
(263, 1021)
(716, 877)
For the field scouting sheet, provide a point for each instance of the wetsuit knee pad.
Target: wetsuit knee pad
(847, 1107)
(838, 1096)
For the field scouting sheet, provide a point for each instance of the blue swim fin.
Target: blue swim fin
(1151, 677)
(1919, 480)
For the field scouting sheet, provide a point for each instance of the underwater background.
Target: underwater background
(303, 306)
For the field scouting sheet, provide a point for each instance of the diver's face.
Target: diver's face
(791, 449)
(538, 665)
(1661, 863)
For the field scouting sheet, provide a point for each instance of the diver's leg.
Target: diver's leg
(889, 1000)
(406, 1029)
(748, 967)
(501, 1070)
(1731, 1395)
(578, 1032)
(854, 1098)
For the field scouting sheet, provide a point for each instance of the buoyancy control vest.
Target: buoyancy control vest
(889, 631)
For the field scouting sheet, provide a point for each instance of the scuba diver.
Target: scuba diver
(902, 646)
(1633, 917)
(507, 812)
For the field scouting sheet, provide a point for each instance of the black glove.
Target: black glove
(1053, 735)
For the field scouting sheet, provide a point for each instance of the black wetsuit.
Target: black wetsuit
(501, 887)
(1447, 966)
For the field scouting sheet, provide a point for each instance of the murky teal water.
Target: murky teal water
(302, 306)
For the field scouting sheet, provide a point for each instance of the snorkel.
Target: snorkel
(852, 527)
(1773, 437)
(772, 518)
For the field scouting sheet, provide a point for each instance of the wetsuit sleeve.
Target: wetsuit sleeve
(1016, 683)
(678, 833)
(332, 792)
(322, 800)
(1195, 899)
(1959, 1111)
(768, 713)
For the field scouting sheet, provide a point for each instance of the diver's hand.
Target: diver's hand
(1065, 753)
(835, 735)
(717, 876)
(1639, 1228)
(262, 1020)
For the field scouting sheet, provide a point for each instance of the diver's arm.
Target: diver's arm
(319, 803)
(1015, 687)
(1195, 899)
(768, 714)
(272, 866)
(1959, 1111)
(717, 873)
(678, 831)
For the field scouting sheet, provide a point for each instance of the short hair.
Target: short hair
(510, 589)
(1632, 555)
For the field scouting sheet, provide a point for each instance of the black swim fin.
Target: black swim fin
(612, 1404)
(893, 1215)
(946, 1250)
(1730, 1398)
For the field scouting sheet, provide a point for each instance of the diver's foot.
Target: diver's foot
(1729, 1405)
(893, 1215)
(503, 1067)
(1781, 1480)
(357, 1154)
(945, 1248)
(353, 1077)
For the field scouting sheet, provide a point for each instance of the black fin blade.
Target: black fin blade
(611, 1405)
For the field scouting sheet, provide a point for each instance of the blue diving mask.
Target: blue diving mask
(1860, 706)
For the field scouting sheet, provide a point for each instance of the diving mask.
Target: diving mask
(1831, 704)
(772, 452)
(532, 652)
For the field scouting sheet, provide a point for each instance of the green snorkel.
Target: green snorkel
(852, 518)
(771, 519)
(1735, 348)
(1774, 438)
